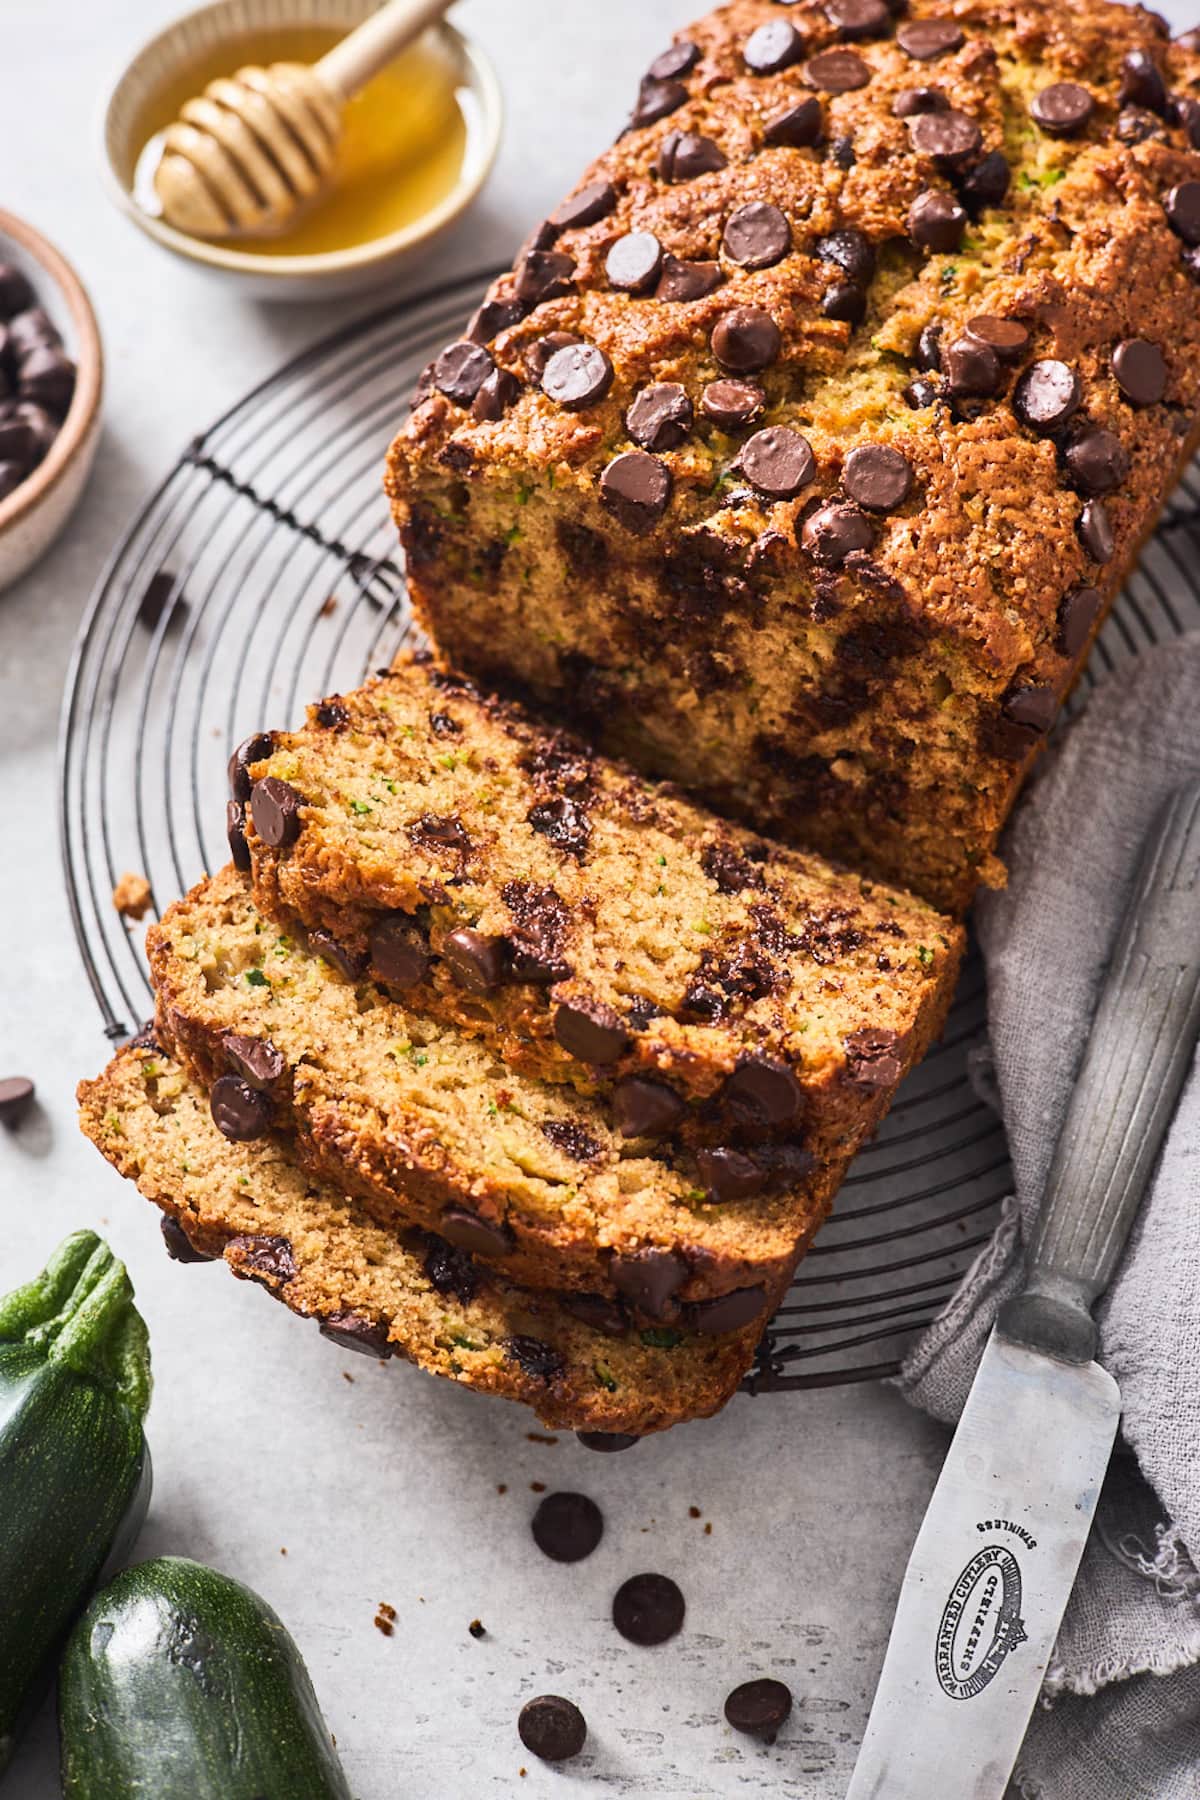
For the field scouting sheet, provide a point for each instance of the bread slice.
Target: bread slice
(429, 1128)
(409, 1295)
(588, 926)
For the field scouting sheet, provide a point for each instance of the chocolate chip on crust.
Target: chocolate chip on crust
(873, 1060)
(255, 1059)
(269, 1256)
(729, 1174)
(650, 1280)
(350, 1331)
(253, 749)
(475, 960)
(179, 1246)
(643, 1107)
(763, 1091)
(275, 809)
(399, 953)
(636, 488)
(591, 1031)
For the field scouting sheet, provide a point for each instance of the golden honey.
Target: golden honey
(404, 142)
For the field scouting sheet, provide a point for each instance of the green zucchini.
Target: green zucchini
(74, 1467)
(180, 1684)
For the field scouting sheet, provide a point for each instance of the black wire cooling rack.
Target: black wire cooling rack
(264, 573)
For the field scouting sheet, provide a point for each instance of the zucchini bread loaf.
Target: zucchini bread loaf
(383, 1293)
(588, 926)
(429, 1127)
(803, 449)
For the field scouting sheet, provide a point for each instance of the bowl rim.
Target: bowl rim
(483, 82)
(76, 427)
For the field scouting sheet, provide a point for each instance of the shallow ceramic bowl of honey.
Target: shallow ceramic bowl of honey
(392, 189)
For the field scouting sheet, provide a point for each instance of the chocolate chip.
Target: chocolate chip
(450, 1271)
(18, 445)
(728, 1174)
(911, 101)
(657, 100)
(841, 152)
(500, 391)
(552, 1728)
(683, 281)
(683, 155)
(441, 832)
(564, 822)
(332, 715)
(542, 349)
(577, 376)
(772, 47)
(239, 1111)
(777, 462)
(950, 138)
(834, 531)
(759, 1708)
(399, 953)
(1189, 117)
(16, 1091)
(567, 1527)
(493, 317)
(877, 477)
(797, 127)
(731, 404)
(643, 1107)
(12, 474)
(591, 1031)
(1191, 262)
(350, 1331)
(1077, 613)
(650, 1280)
(1062, 109)
(846, 302)
(763, 1091)
(636, 489)
(873, 1059)
(634, 263)
(1097, 460)
(569, 1136)
(267, 1255)
(1182, 207)
(1142, 83)
(461, 370)
(756, 236)
(607, 1442)
(1046, 396)
(837, 72)
(851, 250)
(1141, 371)
(648, 1609)
(252, 750)
(16, 294)
(936, 222)
(587, 207)
(325, 945)
(854, 19)
(920, 393)
(727, 1312)
(746, 340)
(235, 833)
(971, 368)
(1032, 705)
(255, 1059)
(544, 275)
(1008, 338)
(596, 1311)
(475, 960)
(469, 1231)
(46, 377)
(179, 1246)
(1095, 532)
(32, 329)
(275, 809)
(1134, 126)
(925, 39)
(540, 1360)
(679, 60)
(986, 184)
(660, 417)
(39, 421)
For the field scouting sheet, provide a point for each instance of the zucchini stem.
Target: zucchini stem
(79, 1311)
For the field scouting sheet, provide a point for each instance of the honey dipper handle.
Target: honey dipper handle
(375, 43)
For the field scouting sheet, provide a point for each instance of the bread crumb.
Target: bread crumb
(347, 1376)
(537, 1487)
(329, 607)
(477, 1628)
(693, 1512)
(132, 896)
(282, 1550)
(538, 1437)
(708, 1529)
(502, 1487)
(385, 1618)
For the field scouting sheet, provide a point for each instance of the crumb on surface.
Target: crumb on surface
(708, 1529)
(132, 896)
(477, 1628)
(385, 1618)
(329, 607)
(537, 1487)
(502, 1487)
(693, 1512)
(540, 1437)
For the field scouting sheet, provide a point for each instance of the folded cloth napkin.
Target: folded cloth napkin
(1120, 1713)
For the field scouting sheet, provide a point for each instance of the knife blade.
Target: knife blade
(999, 1548)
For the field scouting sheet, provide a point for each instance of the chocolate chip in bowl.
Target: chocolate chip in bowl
(51, 377)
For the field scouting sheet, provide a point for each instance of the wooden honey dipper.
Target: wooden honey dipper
(248, 154)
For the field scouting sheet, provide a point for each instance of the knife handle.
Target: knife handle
(1133, 1069)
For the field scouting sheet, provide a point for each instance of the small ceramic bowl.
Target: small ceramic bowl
(344, 271)
(33, 514)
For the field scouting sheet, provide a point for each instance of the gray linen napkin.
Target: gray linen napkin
(1120, 1718)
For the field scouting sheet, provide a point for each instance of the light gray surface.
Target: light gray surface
(387, 1489)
